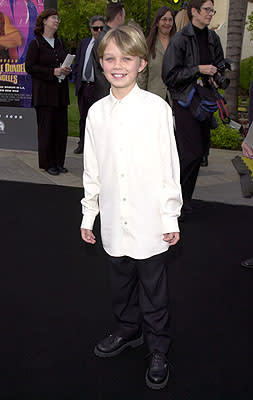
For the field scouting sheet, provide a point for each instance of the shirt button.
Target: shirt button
(125, 223)
(122, 176)
(124, 199)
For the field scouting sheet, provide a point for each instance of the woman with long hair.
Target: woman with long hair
(162, 29)
(50, 93)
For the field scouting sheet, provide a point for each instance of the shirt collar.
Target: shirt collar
(129, 98)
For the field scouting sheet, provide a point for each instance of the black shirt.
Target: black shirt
(202, 38)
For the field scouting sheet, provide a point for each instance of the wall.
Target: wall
(219, 23)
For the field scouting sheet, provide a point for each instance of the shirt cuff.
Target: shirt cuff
(170, 225)
(88, 221)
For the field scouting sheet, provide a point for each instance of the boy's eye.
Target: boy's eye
(127, 58)
(108, 58)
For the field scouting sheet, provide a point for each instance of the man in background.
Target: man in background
(84, 75)
(115, 16)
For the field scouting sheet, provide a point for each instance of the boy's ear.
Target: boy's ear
(143, 64)
(101, 62)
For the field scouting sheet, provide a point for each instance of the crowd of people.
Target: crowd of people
(143, 147)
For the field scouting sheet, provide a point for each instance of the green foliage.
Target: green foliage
(137, 10)
(75, 15)
(225, 137)
(246, 73)
(250, 25)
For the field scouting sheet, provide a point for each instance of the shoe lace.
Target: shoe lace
(157, 359)
(112, 338)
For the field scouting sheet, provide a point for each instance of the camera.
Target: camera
(222, 66)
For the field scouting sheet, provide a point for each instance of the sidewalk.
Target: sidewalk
(218, 182)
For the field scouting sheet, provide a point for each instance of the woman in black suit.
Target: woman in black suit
(50, 93)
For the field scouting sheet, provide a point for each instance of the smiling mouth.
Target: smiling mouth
(118, 76)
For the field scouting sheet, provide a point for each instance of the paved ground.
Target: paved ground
(217, 182)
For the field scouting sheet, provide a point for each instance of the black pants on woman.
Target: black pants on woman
(52, 136)
(140, 299)
(193, 138)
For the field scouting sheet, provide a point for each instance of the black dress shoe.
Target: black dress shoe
(78, 150)
(247, 263)
(204, 161)
(53, 171)
(113, 345)
(157, 374)
(62, 170)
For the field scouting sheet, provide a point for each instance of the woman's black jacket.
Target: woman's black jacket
(180, 64)
(41, 60)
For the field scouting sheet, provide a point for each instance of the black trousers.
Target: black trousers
(193, 141)
(140, 299)
(52, 135)
(86, 97)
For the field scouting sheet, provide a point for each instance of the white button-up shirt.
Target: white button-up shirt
(131, 174)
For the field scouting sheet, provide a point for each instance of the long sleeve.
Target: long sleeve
(131, 173)
(174, 72)
(171, 199)
(219, 54)
(33, 66)
(90, 208)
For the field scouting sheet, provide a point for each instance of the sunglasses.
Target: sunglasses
(97, 28)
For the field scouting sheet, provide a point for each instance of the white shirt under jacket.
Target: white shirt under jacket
(131, 174)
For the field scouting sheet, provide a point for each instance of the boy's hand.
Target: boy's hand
(172, 238)
(88, 236)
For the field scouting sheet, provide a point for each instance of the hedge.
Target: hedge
(246, 73)
(225, 137)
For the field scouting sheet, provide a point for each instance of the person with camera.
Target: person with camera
(190, 60)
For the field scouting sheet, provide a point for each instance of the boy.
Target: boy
(131, 166)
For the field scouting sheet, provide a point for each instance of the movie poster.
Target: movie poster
(17, 21)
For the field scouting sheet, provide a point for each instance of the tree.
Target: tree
(75, 15)
(250, 25)
(236, 24)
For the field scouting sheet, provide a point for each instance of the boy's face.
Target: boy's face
(120, 69)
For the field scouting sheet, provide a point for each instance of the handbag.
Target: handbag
(203, 102)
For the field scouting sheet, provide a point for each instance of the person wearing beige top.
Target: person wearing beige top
(162, 29)
(182, 18)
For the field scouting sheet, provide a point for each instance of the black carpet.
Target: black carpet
(55, 305)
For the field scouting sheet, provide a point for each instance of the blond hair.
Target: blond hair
(128, 39)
